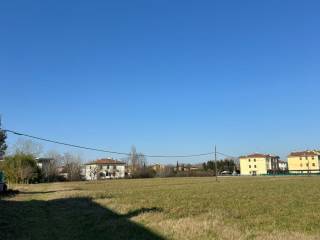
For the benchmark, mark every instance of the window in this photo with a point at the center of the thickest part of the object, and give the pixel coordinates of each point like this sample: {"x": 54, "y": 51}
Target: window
{"x": 312, "y": 158}
{"x": 254, "y": 160}
{"x": 255, "y": 166}
{"x": 250, "y": 172}
{"x": 313, "y": 164}
{"x": 107, "y": 166}
{"x": 307, "y": 165}
{"x": 306, "y": 158}
{"x": 249, "y": 160}
{"x": 300, "y": 158}
{"x": 300, "y": 164}
{"x": 249, "y": 166}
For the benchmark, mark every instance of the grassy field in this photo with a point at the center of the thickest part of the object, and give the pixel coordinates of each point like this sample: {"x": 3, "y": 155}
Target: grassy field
{"x": 174, "y": 208}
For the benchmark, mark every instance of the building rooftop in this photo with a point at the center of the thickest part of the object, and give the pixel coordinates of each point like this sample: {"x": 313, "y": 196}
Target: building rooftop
{"x": 305, "y": 154}
{"x": 107, "y": 161}
{"x": 258, "y": 155}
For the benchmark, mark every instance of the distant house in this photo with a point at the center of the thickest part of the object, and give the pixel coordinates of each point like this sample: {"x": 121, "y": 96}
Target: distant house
{"x": 104, "y": 169}
{"x": 187, "y": 168}
{"x": 304, "y": 162}
{"x": 158, "y": 168}
{"x": 44, "y": 163}
{"x": 257, "y": 164}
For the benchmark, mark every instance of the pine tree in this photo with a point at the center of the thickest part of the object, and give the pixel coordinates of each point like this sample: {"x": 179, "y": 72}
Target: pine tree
{"x": 3, "y": 145}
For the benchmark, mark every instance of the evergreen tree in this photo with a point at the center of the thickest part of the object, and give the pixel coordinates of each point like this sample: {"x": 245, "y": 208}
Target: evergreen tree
{"x": 3, "y": 145}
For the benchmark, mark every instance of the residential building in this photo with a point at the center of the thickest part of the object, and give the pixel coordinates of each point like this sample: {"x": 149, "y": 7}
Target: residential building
{"x": 304, "y": 162}
{"x": 257, "y": 164}
{"x": 187, "y": 167}
{"x": 44, "y": 163}
{"x": 105, "y": 169}
{"x": 158, "y": 168}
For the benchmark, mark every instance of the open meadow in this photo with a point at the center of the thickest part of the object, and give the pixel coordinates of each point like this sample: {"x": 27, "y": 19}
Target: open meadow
{"x": 168, "y": 208}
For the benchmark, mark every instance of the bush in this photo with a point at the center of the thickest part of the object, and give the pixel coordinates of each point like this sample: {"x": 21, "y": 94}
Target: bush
{"x": 21, "y": 168}
{"x": 144, "y": 173}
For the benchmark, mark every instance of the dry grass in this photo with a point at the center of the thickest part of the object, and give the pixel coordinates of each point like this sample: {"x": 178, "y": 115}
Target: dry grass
{"x": 175, "y": 208}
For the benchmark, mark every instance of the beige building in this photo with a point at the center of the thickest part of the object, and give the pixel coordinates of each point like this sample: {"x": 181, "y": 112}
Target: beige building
{"x": 304, "y": 162}
{"x": 158, "y": 168}
{"x": 257, "y": 164}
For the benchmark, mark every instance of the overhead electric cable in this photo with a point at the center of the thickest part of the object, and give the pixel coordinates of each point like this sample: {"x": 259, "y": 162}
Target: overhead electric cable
{"x": 103, "y": 150}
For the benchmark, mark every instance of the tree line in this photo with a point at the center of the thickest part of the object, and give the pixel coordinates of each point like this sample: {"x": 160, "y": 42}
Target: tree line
{"x": 228, "y": 165}
{"x": 20, "y": 164}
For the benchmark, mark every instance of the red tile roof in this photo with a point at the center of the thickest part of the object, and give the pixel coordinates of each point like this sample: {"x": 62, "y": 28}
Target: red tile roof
{"x": 258, "y": 155}
{"x": 304, "y": 154}
{"x": 107, "y": 161}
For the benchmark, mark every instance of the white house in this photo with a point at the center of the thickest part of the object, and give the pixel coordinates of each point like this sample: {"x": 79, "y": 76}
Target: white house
{"x": 104, "y": 169}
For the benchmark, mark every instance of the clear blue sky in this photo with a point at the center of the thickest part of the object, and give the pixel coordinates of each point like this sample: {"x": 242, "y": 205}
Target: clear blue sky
{"x": 172, "y": 77}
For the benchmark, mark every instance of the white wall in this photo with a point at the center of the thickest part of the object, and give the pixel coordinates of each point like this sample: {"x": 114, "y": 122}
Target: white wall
{"x": 114, "y": 171}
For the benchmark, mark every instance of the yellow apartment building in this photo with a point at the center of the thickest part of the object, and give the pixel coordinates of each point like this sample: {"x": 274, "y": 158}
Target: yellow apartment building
{"x": 257, "y": 164}
{"x": 304, "y": 162}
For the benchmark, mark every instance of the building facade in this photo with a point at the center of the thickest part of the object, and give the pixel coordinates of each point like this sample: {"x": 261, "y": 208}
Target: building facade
{"x": 257, "y": 164}
{"x": 104, "y": 169}
{"x": 304, "y": 162}
{"x": 158, "y": 168}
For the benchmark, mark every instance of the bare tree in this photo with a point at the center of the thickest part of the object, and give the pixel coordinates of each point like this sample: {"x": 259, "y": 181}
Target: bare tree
{"x": 94, "y": 170}
{"x": 27, "y": 147}
{"x": 50, "y": 169}
{"x": 72, "y": 166}
{"x": 133, "y": 158}
{"x": 136, "y": 160}
{"x": 53, "y": 154}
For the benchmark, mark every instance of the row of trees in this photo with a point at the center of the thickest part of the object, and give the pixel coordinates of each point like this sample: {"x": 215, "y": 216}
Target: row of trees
{"x": 20, "y": 164}
{"x": 137, "y": 165}
{"x": 22, "y": 167}
{"x": 222, "y": 165}
{"x": 65, "y": 166}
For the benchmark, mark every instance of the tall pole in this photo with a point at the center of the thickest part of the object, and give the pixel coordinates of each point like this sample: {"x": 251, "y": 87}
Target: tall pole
{"x": 215, "y": 162}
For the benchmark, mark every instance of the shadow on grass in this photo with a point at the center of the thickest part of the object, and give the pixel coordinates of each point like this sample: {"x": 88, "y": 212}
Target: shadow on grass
{"x": 47, "y": 192}
{"x": 70, "y": 218}
{"x": 9, "y": 193}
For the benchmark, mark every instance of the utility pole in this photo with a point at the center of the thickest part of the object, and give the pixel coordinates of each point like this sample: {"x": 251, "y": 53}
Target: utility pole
{"x": 308, "y": 167}
{"x": 215, "y": 162}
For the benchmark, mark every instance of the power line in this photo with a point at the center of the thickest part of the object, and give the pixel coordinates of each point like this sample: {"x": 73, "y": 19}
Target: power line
{"x": 103, "y": 150}
{"x": 63, "y": 143}
{"x": 226, "y": 155}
